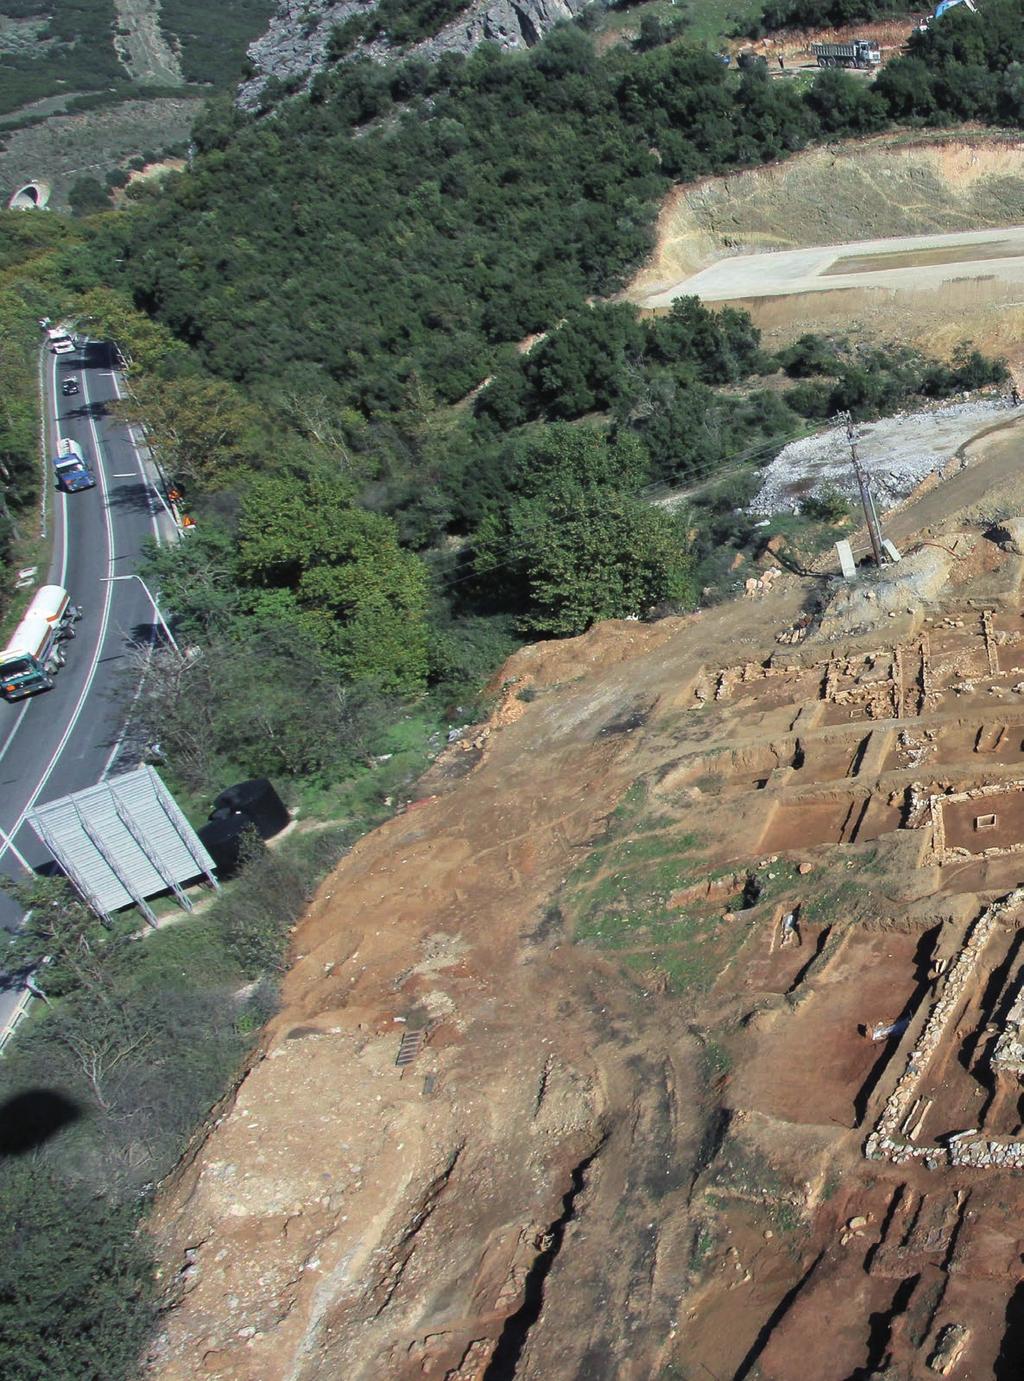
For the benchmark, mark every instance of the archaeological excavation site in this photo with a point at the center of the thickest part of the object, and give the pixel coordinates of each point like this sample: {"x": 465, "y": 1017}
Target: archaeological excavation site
{"x": 678, "y": 1022}
{"x": 672, "y": 1028}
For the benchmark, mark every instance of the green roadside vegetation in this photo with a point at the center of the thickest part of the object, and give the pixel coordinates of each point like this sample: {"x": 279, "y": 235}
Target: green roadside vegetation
{"x": 389, "y": 495}
{"x": 27, "y": 246}
{"x": 139, "y": 1036}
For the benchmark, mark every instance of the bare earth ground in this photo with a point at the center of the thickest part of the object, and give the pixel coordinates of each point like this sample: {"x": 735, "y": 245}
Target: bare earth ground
{"x": 631, "y": 1142}
{"x": 896, "y": 264}
{"x": 874, "y": 189}
{"x": 141, "y": 46}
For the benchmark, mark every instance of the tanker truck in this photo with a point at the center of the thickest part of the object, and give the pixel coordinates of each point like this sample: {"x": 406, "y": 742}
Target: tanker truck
{"x": 34, "y": 654}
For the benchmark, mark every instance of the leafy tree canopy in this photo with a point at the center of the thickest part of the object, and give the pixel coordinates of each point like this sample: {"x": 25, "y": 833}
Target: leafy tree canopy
{"x": 75, "y": 1281}
{"x": 361, "y": 598}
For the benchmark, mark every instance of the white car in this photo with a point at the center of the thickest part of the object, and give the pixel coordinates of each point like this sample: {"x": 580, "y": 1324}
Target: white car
{"x": 63, "y": 345}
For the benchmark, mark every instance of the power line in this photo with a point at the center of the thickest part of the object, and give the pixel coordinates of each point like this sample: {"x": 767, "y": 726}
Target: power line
{"x": 864, "y": 486}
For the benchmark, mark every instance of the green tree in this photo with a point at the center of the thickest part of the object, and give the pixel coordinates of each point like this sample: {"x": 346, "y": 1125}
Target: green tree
{"x": 340, "y": 573}
{"x": 570, "y": 544}
{"x": 581, "y": 556}
{"x": 86, "y": 196}
{"x": 61, "y": 940}
{"x": 201, "y": 429}
{"x": 199, "y": 580}
{"x": 75, "y": 1281}
{"x": 144, "y": 344}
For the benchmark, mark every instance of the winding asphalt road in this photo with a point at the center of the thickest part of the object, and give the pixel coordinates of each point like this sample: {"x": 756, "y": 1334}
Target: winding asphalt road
{"x": 71, "y": 737}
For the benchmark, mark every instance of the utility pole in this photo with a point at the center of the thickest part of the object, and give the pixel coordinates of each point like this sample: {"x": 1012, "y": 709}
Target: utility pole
{"x": 863, "y": 484}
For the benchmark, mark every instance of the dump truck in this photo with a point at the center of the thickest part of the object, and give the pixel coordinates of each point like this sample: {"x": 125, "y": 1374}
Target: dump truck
{"x": 862, "y": 52}
{"x": 34, "y": 654}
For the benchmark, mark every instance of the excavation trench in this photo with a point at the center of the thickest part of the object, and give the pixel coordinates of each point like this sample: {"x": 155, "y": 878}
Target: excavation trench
{"x": 505, "y": 1358}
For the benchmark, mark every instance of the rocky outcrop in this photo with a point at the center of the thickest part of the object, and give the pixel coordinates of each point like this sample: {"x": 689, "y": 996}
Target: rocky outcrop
{"x": 295, "y": 45}
{"x": 509, "y": 23}
{"x": 294, "y": 48}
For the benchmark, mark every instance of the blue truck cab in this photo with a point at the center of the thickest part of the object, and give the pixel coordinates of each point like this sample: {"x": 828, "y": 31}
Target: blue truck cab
{"x": 71, "y": 468}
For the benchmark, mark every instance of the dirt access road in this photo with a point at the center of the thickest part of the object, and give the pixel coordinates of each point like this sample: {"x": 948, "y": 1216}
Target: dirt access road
{"x": 905, "y": 262}
{"x": 141, "y": 45}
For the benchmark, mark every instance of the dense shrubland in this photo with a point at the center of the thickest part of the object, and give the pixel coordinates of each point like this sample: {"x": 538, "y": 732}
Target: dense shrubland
{"x": 366, "y": 262}
{"x": 806, "y": 14}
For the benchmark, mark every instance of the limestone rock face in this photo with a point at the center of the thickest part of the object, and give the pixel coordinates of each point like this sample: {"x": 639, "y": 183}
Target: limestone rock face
{"x": 509, "y": 23}
{"x": 294, "y": 47}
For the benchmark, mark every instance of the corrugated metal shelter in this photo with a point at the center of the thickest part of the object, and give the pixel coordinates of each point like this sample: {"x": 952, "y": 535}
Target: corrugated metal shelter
{"x": 122, "y": 841}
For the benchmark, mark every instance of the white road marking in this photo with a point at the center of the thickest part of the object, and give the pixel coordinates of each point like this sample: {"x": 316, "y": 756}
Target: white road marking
{"x": 9, "y": 844}
{"x": 17, "y": 725}
{"x": 63, "y": 498}
{"x": 137, "y": 448}
{"x": 91, "y": 676}
{"x": 8, "y": 839}
{"x": 124, "y": 474}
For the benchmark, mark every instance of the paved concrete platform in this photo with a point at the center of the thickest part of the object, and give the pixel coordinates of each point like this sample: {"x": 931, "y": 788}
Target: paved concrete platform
{"x": 859, "y": 264}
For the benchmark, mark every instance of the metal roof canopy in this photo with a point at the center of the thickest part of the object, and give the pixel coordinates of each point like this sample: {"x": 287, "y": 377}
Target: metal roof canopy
{"x": 122, "y": 841}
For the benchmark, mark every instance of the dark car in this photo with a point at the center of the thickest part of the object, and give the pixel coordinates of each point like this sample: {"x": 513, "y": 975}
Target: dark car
{"x": 69, "y": 387}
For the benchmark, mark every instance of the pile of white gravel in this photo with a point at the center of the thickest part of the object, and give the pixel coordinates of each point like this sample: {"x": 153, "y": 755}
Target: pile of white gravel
{"x": 897, "y": 452}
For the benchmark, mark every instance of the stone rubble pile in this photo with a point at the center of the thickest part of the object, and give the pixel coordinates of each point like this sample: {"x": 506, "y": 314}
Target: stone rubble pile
{"x": 898, "y": 453}
{"x": 1008, "y": 1055}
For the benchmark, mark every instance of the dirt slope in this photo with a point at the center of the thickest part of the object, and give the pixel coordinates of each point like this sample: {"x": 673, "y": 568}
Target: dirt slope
{"x": 346, "y": 1219}
{"x": 647, "y": 923}
{"x": 141, "y": 45}
{"x": 871, "y": 189}
{"x": 865, "y": 190}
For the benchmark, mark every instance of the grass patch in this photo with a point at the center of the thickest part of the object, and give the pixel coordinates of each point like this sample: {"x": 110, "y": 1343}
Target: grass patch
{"x": 715, "y": 1061}
{"x": 743, "y": 1171}
{"x": 701, "y": 1247}
{"x": 710, "y": 21}
{"x": 707, "y": 23}
{"x": 171, "y": 957}
{"x": 842, "y": 897}
{"x": 617, "y": 899}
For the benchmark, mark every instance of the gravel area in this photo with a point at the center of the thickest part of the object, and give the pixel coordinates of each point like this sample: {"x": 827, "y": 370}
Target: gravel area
{"x": 897, "y": 452}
